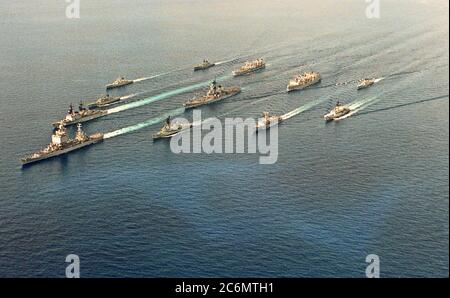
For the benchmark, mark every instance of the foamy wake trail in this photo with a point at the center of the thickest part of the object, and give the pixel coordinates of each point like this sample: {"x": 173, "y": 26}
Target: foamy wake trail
{"x": 148, "y": 100}
{"x": 153, "y": 77}
{"x": 226, "y": 61}
{"x": 128, "y": 96}
{"x": 379, "y": 79}
{"x": 301, "y": 109}
{"x": 360, "y": 105}
{"x": 141, "y": 125}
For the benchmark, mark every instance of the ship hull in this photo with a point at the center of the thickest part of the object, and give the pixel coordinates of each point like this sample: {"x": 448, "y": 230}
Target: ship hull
{"x": 301, "y": 87}
{"x": 94, "y": 105}
{"x": 364, "y": 86}
{"x": 80, "y": 120}
{"x": 201, "y": 67}
{"x": 112, "y": 86}
{"x": 238, "y": 73}
{"x": 329, "y": 118}
{"x": 62, "y": 151}
{"x": 189, "y": 105}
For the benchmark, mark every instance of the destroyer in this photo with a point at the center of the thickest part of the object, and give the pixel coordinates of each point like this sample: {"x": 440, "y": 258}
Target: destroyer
{"x": 338, "y": 111}
{"x": 119, "y": 83}
{"x": 204, "y": 65}
{"x": 170, "y": 129}
{"x": 267, "y": 121}
{"x": 250, "y": 67}
{"x": 214, "y": 94}
{"x": 303, "y": 80}
{"x": 82, "y": 115}
{"x": 365, "y": 83}
{"x": 61, "y": 144}
{"x": 103, "y": 101}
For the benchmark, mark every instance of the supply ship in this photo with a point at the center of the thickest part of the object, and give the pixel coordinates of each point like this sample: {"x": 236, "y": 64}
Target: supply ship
{"x": 61, "y": 144}
{"x": 302, "y": 81}
{"x": 250, "y": 67}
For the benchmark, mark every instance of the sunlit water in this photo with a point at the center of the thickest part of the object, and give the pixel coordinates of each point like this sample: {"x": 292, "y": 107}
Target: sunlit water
{"x": 375, "y": 182}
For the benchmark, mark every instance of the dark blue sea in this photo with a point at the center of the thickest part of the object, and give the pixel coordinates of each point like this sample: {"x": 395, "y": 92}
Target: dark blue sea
{"x": 374, "y": 183}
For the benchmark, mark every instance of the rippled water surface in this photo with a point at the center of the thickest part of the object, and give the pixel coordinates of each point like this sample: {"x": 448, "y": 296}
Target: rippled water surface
{"x": 374, "y": 183}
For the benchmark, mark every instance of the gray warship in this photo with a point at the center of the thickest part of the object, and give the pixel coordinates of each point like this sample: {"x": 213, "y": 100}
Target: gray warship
{"x": 119, "y": 83}
{"x": 214, "y": 94}
{"x": 103, "y": 101}
{"x": 61, "y": 144}
{"x": 304, "y": 80}
{"x": 170, "y": 129}
{"x": 250, "y": 67}
{"x": 338, "y": 111}
{"x": 365, "y": 83}
{"x": 82, "y": 115}
{"x": 267, "y": 121}
{"x": 204, "y": 65}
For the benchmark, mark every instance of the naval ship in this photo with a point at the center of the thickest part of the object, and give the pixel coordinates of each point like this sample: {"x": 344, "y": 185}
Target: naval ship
{"x": 365, "y": 83}
{"x": 302, "y": 81}
{"x": 267, "y": 121}
{"x": 82, "y": 115}
{"x": 119, "y": 83}
{"x": 204, "y": 65}
{"x": 214, "y": 94}
{"x": 61, "y": 144}
{"x": 103, "y": 101}
{"x": 250, "y": 67}
{"x": 169, "y": 129}
{"x": 337, "y": 112}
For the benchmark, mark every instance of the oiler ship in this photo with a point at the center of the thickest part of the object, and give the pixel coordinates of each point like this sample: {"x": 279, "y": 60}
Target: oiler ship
{"x": 214, "y": 94}
{"x": 304, "y": 80}
{"x": 61, "y": 144}
{"x": 119, "y": 83}
{"x": 103, "y": 101}
{"x": 267, "y": 121}
{"x": 204, "y": 65}
{"x": 170, "y": 129}
{"x": 250, "y": 67}
{"x": 82, "y": 115}
{"x": 337, "y": 112}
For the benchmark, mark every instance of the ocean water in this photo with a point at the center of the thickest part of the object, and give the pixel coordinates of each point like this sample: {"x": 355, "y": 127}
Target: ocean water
{"x": 374, "y": 183}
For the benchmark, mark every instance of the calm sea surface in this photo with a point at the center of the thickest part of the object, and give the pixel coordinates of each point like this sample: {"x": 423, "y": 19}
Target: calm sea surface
{"x": 375, "y": 183}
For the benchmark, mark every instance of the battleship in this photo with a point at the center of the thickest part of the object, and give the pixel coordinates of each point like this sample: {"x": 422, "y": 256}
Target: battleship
{"x": 214, "y": 94}
{"x": 103, "y": 101}
{"x": 170, "y": 129}
{"x": 303, "y": 80}
{"x": 119, "y": 83}
{"x": 365, "y": 83}
{"x": 267, "y": 121}
{"x": 250, "y": 67}
{"x": 82, "y": 115}
{"x": 338, "y": 111}
{"x": 61, "y": 144}
{"x": 204, "y": 65}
